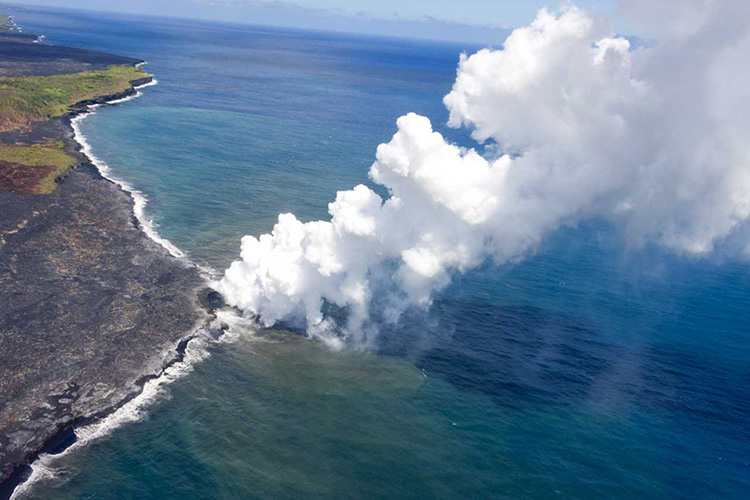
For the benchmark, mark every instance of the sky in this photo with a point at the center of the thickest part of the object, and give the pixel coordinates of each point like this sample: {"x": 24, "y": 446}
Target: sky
{"x": 480, "y": 21}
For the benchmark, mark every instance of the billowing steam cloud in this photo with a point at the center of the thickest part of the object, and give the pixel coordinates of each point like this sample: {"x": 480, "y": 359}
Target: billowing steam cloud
{"x": 655, "y": 139}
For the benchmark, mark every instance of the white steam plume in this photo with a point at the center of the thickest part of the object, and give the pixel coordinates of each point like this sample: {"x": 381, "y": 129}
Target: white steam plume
{"x": 656, "y": 140}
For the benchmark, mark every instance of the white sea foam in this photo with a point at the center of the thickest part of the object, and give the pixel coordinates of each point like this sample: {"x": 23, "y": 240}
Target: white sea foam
{"x": 139, "y": 199}
{"x": 44, "y": 468}
{"x": 47, "y": 467}
{"x": 196, "y": 351}
{"x": 237, "y": 326}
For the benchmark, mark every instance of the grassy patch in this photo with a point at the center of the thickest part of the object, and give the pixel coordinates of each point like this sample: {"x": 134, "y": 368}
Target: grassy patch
{"x": 34, "y": 167}
{"x": 31, "y": 98}
{"x": 4, "y": 22}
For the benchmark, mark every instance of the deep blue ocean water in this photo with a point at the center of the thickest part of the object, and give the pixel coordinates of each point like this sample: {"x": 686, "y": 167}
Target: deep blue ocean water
{"x": 588, "y": 371}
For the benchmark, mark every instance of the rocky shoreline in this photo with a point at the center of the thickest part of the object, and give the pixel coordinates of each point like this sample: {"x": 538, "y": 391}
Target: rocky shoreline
{"x": 93, "y": 308}
{"x": 65, "y": 436}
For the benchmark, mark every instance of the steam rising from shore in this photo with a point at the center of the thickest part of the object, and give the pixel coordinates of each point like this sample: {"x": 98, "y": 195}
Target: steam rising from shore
{"x": 582, "y": 125}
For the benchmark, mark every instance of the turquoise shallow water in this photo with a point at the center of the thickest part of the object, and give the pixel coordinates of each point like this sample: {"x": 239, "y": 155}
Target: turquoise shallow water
{"x": 587, "y": 371}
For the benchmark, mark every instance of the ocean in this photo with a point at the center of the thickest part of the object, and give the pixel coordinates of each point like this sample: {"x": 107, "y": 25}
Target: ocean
{"x": 588, "y": 371}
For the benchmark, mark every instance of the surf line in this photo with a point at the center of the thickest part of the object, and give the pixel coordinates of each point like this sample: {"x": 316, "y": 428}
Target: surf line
{"x": 139, "y": 198}
{"x": 192, "y": 350}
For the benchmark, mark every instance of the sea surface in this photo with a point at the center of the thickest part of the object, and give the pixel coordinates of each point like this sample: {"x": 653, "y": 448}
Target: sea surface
{"x": 588, "y": 371}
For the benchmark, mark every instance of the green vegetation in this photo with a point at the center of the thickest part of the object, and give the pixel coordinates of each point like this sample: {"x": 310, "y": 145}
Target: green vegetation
{"x": 49, "y": 155}
{"x": 4, "y": 22}
{"x": 31, "y": 98}
{"x": 23, "y": 100}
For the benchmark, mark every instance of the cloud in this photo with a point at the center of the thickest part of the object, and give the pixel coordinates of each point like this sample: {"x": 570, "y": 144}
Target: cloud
{"x": 654, "y": 140}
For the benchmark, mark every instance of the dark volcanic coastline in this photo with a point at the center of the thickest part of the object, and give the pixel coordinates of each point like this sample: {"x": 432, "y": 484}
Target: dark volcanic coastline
{"x": 92, "y": 307}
